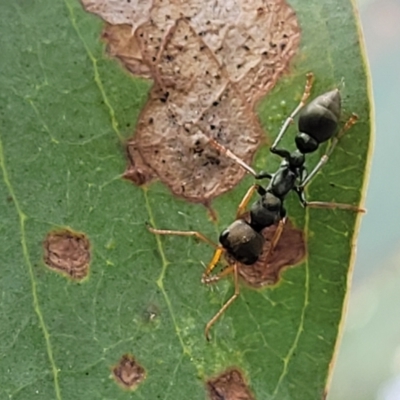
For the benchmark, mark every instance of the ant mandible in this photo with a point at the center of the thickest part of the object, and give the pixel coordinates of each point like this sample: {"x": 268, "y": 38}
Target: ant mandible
{"x": 242, "y": 240}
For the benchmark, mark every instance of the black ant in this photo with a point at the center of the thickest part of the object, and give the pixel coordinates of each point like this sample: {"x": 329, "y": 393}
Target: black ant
{"x": 242, "y": 240}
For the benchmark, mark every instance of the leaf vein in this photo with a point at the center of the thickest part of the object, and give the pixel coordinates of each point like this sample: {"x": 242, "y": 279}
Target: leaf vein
{"x": 99, "y": 83}
{"x": 22, "y": 218}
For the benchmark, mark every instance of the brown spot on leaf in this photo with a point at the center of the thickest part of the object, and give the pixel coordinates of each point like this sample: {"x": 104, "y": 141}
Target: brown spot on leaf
{"x": 289, "y": 251}
{"x": 229, "y": 385}
{"x": 67, "y": 252}
{"x": 128, "y": 372}
{"x": 210, "y": 64}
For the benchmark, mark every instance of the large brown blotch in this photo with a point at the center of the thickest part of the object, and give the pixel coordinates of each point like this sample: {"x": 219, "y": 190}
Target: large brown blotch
{"x": 198, "y": 51}
{"x": 289, "y": 251}
{"x": 230, "y": 385}
{"x": 67, "y": 252}
{"x": 128, "y": 372}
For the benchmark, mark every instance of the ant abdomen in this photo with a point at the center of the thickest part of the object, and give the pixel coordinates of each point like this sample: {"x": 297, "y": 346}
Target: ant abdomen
{"x": 242, "y": 242}
{"x": 318, "y": 120}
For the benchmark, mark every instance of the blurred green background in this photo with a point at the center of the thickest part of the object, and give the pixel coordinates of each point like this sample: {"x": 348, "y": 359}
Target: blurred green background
{"x": 368, "y": 363}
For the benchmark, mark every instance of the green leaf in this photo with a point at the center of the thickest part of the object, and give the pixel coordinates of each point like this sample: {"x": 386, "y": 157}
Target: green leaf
{"x": 65, "y": 108}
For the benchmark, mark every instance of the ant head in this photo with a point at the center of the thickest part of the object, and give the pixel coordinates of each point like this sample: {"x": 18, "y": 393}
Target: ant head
{"x": 305, "y": 143}
{"x": 296, "y": 159}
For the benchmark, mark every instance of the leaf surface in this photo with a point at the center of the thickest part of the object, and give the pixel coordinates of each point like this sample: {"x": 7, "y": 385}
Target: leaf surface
{"x": 65, "y": 109}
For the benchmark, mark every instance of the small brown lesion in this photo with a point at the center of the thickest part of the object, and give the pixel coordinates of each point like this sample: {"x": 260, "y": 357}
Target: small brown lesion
{"x": 229, "y": 385}
{"x": 67, "y": 252}
{"x": 128, "y": 373}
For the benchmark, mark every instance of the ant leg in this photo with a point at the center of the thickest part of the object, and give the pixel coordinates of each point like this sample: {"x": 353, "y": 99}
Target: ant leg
{"x": 227, "y": 153}
{"x": 215, "y": 278}
{"x": 243, "y": 204}
{"x": 322, "y": 204}
{"x": 211, "y": 265}
{"x": 289, "y": 120}
{"x": 276, "y": 237}
{"x": 183, "y": 233}
{"x": 332, "y": 205}
{"x": 226, "y": 305}
{"x": 217, "y": 255}
{"x": 324, "y": 159}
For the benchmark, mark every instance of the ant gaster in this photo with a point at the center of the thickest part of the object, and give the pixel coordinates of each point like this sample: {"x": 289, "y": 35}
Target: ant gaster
{"x": 242, "y": 240}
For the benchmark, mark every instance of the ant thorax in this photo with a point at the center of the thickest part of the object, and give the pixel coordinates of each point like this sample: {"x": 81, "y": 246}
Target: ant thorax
{"x": 296, "y": 160}
{"x": 283, "y": 181}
